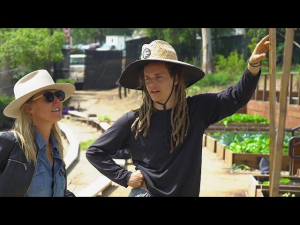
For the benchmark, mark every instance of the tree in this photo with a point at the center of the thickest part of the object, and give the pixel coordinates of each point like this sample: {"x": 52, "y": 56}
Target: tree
{"x": 30, "y": 48}
{"x": 89, "y": 35}
{"x": 207, "y": 59}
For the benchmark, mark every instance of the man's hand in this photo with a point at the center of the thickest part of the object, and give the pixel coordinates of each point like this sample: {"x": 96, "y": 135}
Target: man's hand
{"x": 136, "y": 179}
{"x": 258, "y": 54}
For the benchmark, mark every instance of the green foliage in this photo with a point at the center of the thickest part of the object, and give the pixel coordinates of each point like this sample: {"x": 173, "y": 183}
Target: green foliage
{"x": 104, "y": 117}
{"x": 229, "y": 71}
{"x": 5, "y": 122}
{"x": 243, "y": 118}
{"x": 234, "y": 64}
{"x": 258, "y": 143}
{"x": 30, "y": 49}
{"x": 253, "y": 43}
{"x": 239, "y": 167}
{"x": 84, "y": 145}
{"x": 288, "y": 194}
{"x": 174, "y": 36}
{"x": 93, "y": 35}
{"x": 65, "y": 80}
{"x": 282, "y": 180}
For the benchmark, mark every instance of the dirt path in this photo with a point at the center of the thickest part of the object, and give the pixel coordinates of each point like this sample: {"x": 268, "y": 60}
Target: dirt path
{"x": 106, "y": 102}
{"x": 217, "y": 178}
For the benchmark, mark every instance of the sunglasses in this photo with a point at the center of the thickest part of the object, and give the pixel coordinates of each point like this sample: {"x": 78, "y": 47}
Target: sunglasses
{"x": 50, "y": 96}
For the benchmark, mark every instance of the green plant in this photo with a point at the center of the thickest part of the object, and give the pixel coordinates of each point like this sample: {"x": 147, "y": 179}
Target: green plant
{"x": 288, "y": 194}
{"x": 234, "y": 64}
{"x": 249, "y": 142}
{"x": 5, "y": 122}
{"x": 239, "y": 167}
{"x": 104, "y": 117}
{"x": 65, "y": 80}
{"x": 242, "y": 118}
{"x": 282, "y": 181}
{"x": 84, "y": 145}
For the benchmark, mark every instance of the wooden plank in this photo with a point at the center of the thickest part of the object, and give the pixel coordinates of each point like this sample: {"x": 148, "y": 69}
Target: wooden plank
{"x": 277, "y": 158}
{"x": 295, "y": 163}
{"x": 220, "y": 150}
{"x": 95, "y": 188}
{"x": 211, "y": 143}
{"x": 298, "y": 91}
{"x": 104, "y": 126}
{"x": 73, "y": 150}
{"x": 291, "y": 89}
{"x": 272, "y": 98}
{"x": 255, "y": 184}
{"x": 265, "y": 87}
{"x": 204, "y": 140}
{"x": 252, "y": 160}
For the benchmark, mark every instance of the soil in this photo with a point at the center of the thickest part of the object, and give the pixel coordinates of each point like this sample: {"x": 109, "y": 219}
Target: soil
{"x": 106, "y": 102}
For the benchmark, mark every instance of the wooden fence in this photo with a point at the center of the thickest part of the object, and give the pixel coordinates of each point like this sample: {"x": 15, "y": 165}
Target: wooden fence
{"x": 262, "y": 90}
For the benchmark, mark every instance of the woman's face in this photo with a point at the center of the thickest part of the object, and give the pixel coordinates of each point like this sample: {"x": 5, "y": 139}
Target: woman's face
{"x": 159, "y": 83}
{"x": 43, "y": 111}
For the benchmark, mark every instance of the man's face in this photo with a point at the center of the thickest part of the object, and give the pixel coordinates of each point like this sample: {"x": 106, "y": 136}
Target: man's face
{"x": 158, "y": 82}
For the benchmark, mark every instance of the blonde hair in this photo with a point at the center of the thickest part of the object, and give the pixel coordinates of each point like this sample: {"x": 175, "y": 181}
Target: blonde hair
{"x": 179, "y": 115}
{"x": 24, "y": 133}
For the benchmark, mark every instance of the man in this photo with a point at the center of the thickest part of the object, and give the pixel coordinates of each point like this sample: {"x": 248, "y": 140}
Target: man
{"x": 164, "y": 136}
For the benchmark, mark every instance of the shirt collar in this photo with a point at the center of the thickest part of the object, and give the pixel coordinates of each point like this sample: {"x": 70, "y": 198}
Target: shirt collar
{"x": 41, "y": 142}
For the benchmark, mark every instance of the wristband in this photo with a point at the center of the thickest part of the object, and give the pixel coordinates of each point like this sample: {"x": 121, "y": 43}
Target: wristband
{"x": 255, "y": 63}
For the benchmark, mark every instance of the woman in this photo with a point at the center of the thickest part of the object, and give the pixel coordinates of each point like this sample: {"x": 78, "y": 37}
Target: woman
{"x": 31, "y": 154}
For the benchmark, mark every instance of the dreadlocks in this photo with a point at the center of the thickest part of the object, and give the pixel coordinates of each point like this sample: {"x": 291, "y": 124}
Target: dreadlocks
{"x": 179, "y": 115}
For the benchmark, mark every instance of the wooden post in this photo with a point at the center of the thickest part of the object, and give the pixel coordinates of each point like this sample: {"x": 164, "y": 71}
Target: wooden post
{"x": 277, "y": 157}
{"x": 264, "y": 98}
{"x": 291, "y": 89}
{"x": 272, "y": 97}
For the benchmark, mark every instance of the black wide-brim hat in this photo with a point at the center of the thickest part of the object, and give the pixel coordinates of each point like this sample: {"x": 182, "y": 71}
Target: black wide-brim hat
{"x": 157, "y": 50}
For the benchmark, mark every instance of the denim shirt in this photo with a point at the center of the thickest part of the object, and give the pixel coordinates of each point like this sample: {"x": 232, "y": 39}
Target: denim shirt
{"x": 43, "y": 179}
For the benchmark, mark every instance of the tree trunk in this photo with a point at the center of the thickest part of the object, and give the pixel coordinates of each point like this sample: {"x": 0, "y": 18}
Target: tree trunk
{"x": 207, "y": 60}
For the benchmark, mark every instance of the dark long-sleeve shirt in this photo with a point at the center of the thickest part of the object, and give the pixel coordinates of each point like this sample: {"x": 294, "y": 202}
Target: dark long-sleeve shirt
{"x": 166, "y": 174}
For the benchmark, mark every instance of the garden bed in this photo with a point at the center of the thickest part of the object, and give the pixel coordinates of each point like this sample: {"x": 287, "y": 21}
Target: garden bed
{"x": 232, "y": 127}
{"x": 211, "y": 143}
{"x": 252, "y": 160}
{"x": 292, "y": 193}
{"x": 256, "y": 185}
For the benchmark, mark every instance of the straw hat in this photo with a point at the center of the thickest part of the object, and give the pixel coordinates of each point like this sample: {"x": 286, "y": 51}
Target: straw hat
{"x": 162, "y": 51}
{"x": 31, "y": 84}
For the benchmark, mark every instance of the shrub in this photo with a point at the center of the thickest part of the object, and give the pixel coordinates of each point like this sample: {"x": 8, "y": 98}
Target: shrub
{"x": 5, "y": 122}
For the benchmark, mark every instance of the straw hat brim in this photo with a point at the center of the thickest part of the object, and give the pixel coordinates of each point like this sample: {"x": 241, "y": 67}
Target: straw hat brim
{"x": 14, "y": 108}
{"x": 129, "y": 77}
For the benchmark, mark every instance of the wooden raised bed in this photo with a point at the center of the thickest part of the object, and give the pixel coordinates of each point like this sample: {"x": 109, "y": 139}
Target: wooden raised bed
{"x": 252, "y": 160}
{"x": 250, "y": 127}
{"x": 211, "y": 143}
{"x": 249, "y": 159}
{"x": 256, "y": 186}
{"x": 266, "y": 193}
{"x": 204, "y": 140}
{"x": 220, "y": 150}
